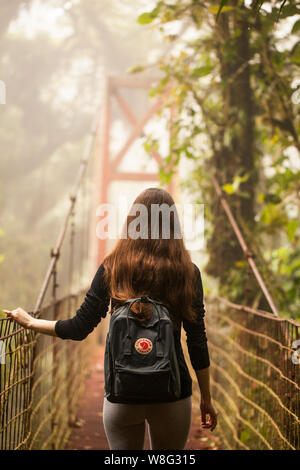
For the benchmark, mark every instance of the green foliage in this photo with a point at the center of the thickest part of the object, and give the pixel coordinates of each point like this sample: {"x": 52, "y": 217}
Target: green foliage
{"x": 245, "y": 436}
{"x": 283, "y": 11}
{"x": 201, "y": 74}
{"x": 146, "y": 18}
{"x": 222, "y": 8}
{"x": 296, "y": 27}
{"x": 234, "y": 187}
{"x": 136, "y": 69}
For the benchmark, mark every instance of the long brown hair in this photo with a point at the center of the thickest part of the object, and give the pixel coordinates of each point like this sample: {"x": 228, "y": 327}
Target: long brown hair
{"x": 160, "y": 268}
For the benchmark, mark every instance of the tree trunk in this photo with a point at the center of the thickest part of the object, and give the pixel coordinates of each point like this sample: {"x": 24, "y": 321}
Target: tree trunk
{"x": 237, "y": 156}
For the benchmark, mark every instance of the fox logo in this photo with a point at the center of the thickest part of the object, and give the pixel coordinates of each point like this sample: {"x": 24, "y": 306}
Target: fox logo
{"x": 143, "y": 345}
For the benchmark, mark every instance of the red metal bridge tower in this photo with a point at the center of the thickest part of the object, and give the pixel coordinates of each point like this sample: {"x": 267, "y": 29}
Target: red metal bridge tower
{"x": 106, "y": 166}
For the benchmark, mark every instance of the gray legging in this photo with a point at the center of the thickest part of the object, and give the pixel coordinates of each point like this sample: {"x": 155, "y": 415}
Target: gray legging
{"x": 169, "y": 424}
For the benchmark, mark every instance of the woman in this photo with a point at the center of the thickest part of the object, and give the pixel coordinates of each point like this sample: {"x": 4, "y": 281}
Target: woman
{"x": 159, "y": 267}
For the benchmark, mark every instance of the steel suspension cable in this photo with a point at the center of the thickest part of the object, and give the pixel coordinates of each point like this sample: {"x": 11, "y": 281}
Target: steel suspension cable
{"x": 56, "y": 251}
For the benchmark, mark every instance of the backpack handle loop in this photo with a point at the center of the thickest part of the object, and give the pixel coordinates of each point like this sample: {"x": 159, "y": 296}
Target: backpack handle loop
{"x": 143, "y": 299}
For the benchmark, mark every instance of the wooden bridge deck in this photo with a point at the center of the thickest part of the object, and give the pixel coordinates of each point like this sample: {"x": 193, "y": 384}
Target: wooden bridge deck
{"x": 89, "y": 433}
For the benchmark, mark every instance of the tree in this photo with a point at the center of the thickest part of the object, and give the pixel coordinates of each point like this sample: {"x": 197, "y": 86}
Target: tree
{"x": 234, "y": 84}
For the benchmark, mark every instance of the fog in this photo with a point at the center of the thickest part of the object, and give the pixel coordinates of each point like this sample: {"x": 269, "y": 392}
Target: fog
{"x": 54, "y": 58}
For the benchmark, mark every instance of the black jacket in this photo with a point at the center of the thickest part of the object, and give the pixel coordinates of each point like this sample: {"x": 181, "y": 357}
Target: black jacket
{"x": 95, "y": 307}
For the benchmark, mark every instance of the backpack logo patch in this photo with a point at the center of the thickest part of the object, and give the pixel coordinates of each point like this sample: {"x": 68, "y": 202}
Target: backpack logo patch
{"x": 143, "y": 345}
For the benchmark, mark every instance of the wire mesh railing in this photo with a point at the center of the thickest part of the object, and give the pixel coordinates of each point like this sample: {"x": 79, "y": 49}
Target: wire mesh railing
{"x": 41, "y": 377}
{"x": 41, "y": 381}
{"x": 255, "y": 380}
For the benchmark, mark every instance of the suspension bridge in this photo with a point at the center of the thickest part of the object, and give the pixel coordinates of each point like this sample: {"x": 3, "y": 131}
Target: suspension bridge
{"x": 44, "y": 380}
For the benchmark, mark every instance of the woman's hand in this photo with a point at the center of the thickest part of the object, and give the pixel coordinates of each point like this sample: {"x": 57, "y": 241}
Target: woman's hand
{"x": 23, "y": 318}
{"x": 207, "y": 409}
{"x": 19, "y": 316}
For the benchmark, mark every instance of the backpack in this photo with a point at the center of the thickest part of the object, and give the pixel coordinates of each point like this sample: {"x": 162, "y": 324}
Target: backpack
{"x": 140, "y": 361}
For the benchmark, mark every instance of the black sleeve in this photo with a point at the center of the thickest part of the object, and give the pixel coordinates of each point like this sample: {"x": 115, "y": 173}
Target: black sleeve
{"x": 195, "y": 331}
{"x": 89, "y": 314}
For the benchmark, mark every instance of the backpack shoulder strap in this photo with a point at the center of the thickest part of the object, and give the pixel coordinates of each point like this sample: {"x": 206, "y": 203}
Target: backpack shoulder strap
{"x": 109, "y": 306}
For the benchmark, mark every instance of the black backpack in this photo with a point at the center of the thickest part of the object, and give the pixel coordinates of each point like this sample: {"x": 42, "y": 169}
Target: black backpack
{"x": 140, "y": 358}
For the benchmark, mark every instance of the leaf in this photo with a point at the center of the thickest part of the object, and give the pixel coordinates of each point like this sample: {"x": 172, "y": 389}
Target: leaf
{"x": 282, "y": 253}
{"x": 296, "y": 55}
{"x": 281, "y": 7}
{"x": 242, "y": 179}
{"x": 237, "y": 32}
{"x": 136, "y": 69}
{"x": 261, "y": 198}
{"x": 2, "y": 314}
{"x": 272, "y": 198}
{"x": 218, "y": 9}
{"x": 234, "y": 187}
{"x": 287, "y": 10}
{"x": 258, "y": 4}
{"x": 147, "y": 17}
{"x": 228, "y": 188}
{"x": 202, "y": 71}
{"x": 245, "y": 436}
{"x": 241, "y": 264}
{"x": 291, "y": 229}
{"x": 244, "y": 194}
{"x": 296, "y": 27}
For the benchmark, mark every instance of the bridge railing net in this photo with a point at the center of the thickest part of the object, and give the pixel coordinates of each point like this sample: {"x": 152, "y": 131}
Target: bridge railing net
{"x": 255, "y": 382}
{"x": 41, "y": 381}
